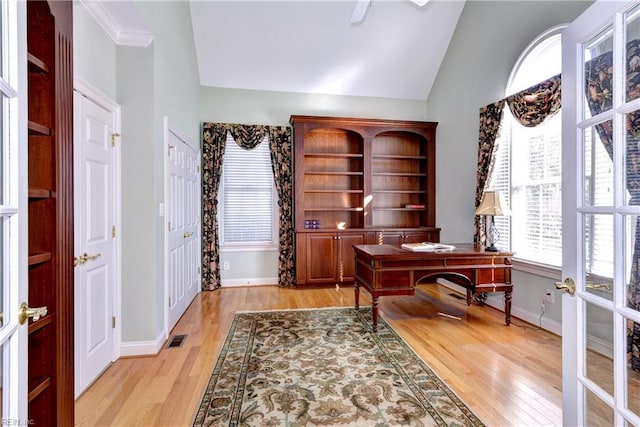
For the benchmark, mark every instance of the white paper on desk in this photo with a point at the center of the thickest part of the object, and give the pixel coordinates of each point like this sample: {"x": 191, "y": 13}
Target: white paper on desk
{"x": 428, "y": 247}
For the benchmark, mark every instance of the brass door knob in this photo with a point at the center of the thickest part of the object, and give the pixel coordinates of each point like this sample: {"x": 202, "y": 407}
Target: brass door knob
{"x": 84, "y": 258}
{"x": 569, "y": 286}
{"x": 26, "y": 312}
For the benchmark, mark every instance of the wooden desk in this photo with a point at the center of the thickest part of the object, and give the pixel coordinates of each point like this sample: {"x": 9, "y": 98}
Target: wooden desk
{"x": 385, "y": 270}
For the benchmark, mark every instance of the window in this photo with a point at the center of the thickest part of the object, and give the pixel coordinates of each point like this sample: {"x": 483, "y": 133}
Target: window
{"x": 527, "y": 172}
{"x": 247, "y": 197}
{"x": 527, "y": 164}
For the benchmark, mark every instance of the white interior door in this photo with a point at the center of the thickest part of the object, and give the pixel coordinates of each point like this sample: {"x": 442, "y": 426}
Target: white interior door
{"x": 192, "y": 239}
{"x": 13, "y": 213}
{"x": 175, "y": 202}
{"x": 600, "y": 215}
{"x": 95, "y": 240}
{"x": 182, "y": 206}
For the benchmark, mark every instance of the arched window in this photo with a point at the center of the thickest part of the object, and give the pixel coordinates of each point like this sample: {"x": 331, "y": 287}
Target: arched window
{"x": 527, "y": 164}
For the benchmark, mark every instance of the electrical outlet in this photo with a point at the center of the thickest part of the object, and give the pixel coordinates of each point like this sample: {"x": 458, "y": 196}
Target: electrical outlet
{"x": 549, "y": 296}
{"x": 225, "y": 265}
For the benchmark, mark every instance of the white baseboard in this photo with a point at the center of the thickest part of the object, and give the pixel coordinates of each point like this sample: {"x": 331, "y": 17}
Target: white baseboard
{"x": 262, "y": 281}
{"x": 143, "y": 348}
{"x": 496, "y": 301}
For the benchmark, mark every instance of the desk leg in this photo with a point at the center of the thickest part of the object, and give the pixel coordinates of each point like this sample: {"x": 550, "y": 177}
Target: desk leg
{"x": 356, "y": 290}
{"x": 375, "y": 314}
{"x": 507, "y": 307}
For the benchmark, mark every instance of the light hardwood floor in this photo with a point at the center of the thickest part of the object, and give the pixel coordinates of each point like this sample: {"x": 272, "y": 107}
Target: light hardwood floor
{"x": 508, "y": 376}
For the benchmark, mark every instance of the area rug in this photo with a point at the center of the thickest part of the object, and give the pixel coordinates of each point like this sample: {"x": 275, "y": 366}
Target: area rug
{"x": 323, "y": 367}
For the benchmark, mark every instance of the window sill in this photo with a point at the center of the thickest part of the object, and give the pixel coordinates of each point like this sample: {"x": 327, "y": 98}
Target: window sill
{"x": 248, "y": 248}
{"x": 537, "y": 269}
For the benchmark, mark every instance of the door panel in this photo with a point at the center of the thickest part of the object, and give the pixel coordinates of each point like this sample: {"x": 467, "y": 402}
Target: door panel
{"x": 347, "y": 265}
{"x": 183, "y": 225}
{"x": 601, "y": 243}
{"x": 322, "y": 256}
{"x": 176, "y": 229}
{"x": 94, "y": 240}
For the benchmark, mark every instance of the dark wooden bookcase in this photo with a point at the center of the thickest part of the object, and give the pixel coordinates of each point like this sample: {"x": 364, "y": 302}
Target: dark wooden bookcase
{"x": 359, "y": 181}
{"x": 50, "y": 211}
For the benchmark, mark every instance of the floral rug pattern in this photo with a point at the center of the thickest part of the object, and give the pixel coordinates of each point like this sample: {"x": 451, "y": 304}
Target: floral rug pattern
{"x": 323, "y": 367}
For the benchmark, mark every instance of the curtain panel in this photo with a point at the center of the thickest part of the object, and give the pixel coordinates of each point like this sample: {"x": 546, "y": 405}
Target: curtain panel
{"x": 598, "y": 91}
{"x": 530, "y": 107}
{"x": 490, "y": 123}
{"x": 280, "y": 145}
{"x": 214, "y": 137}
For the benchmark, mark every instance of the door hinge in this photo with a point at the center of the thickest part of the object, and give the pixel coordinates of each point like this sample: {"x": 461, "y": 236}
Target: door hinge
{"x": 169, "y": 148}
{"x": 169, "y": 301}
{"x": 113, "y": 322}
{"x": 113, "y": 231}
{"x": 198, "y": 168}
{"x": 169, "y": 226}
{"x": 113, "y": 138}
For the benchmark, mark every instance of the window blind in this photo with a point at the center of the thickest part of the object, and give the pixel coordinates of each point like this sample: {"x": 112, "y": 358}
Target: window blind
{"x": 247, "y": 195}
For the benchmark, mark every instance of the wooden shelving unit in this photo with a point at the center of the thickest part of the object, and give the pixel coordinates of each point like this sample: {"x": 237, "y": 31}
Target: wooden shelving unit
{"x": 359, "y": 181}
{"x": 50, "y": 211}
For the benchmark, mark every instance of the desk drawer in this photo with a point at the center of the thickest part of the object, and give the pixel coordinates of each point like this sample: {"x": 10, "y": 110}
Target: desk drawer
{"x": 495, "y": 275}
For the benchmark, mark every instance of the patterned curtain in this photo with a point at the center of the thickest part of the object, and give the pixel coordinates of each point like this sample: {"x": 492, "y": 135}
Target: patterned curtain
{"x": 281, "y": 157}
{"x": 598, "y": 89}
{"x": 532, "y": 106}
{"x": 490, "y": 122}
{"x": 214, "y": 136}
{"x": 248, "y": 137}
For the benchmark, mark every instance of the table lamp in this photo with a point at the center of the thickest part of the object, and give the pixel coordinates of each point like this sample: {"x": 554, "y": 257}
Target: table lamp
{"x": 490, "y": 205}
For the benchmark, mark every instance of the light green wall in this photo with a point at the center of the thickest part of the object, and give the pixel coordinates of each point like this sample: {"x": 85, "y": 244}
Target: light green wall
{"x": 488, "y": 40}
{"x": 149, "y": 83}
{"x": 90, "y": 38}
{"x": 176, "y": 90}
{"x": 140, "y": 243}
{"x": 275, "y": 108}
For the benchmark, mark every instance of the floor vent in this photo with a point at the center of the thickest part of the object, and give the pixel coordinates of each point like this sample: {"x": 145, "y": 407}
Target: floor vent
{"x": 456, "y": 296}
{"x": 176, "y": 341}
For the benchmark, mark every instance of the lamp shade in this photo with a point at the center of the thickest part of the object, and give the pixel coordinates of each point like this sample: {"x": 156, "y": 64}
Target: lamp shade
{"x": 491, "y": 205}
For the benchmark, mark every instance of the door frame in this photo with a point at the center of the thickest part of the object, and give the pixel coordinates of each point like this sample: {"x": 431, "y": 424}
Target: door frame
{"x": 86, "y": 89}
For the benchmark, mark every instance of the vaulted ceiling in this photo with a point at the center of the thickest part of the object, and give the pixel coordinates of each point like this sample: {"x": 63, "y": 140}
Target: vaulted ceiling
{"x": 311, "y": 46}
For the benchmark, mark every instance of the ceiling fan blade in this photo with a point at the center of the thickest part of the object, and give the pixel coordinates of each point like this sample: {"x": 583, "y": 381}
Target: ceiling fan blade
{"x": 359, "y": 11}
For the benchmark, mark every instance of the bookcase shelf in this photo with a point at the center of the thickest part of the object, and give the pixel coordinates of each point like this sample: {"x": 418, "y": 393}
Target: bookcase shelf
{"x": 353, "y": 181}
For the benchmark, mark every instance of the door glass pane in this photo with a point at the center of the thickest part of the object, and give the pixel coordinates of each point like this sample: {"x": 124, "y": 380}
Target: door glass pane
{"x": 633, "y": 53}
{"x": 598, "y": 73}
{"x": 598, "y": 256}
{"x": 633, "y": 375}
{"x": 598, "y": 413}
{"x": 632, "y": 159}
{"x": 598, "y": 167}
{"x": 599, "y": 342}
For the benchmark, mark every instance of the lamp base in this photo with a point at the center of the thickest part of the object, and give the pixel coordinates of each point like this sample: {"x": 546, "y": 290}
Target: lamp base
{"x": 492, "y": 248}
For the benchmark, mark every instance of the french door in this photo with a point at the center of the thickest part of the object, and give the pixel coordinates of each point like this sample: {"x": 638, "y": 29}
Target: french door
{"x": 182, "y": 202}
{"x": 601, "y": 212}
{"x": 13, "y": 202}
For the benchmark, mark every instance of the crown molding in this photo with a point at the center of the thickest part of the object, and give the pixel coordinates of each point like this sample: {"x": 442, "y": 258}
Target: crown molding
{"x": 109, "y": 15}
